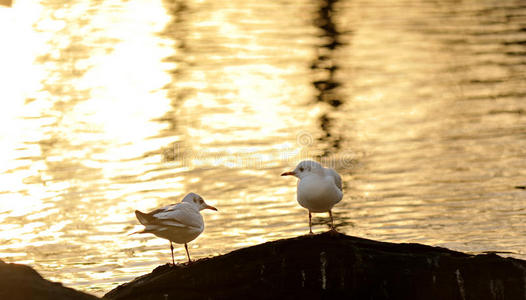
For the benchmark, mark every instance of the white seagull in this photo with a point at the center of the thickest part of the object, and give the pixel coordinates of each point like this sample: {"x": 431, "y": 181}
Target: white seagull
{"x": 319, "y": 188}
{"x": 179, "y": 223}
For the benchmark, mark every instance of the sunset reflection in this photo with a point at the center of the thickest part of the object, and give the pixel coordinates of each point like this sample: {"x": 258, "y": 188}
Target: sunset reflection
{"x": 116, "y": 106}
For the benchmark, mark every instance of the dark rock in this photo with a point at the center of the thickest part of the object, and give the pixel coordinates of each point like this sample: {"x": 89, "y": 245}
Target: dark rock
{"x": 334, "y": 266}
{"x": 22, "y": 282}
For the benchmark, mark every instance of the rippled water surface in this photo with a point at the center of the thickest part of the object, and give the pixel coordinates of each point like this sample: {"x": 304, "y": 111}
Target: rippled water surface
{"x": 112, "y": 106}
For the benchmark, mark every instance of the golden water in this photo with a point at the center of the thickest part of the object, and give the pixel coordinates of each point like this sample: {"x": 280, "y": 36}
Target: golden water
{"x": 112, "y": 106}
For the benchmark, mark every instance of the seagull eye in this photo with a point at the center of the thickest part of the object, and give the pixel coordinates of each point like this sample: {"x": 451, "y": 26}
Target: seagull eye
{"x": 301, "y": 169}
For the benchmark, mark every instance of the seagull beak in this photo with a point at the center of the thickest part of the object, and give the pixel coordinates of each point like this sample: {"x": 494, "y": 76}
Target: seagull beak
{"x": 288, "y": 173}
{"x": 210, "y": 207}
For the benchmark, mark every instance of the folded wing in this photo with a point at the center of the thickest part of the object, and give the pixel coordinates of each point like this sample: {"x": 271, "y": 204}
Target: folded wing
{"x": 336, "y": 177}
{"x": 176, "y": 215}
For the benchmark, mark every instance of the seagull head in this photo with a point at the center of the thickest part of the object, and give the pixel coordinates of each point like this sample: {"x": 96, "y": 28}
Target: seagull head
{"x": 304, "y": 168}
{"x": 197, "y": 201}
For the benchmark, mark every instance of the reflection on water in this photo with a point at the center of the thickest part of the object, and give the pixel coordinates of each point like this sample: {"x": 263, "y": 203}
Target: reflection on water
{"x": 117, "y": 106}
{"x": 324, "y": 68}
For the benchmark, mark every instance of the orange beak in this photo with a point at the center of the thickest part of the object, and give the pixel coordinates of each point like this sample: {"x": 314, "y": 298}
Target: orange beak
{"x": 210, "y": 207}
{"x": 288, "y": 173}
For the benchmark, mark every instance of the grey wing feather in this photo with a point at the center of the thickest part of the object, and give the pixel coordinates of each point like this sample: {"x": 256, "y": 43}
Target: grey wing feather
{"x": 180, "y": 215}
{"x": 177, "y": 215}
{"x": 336, "y": 177}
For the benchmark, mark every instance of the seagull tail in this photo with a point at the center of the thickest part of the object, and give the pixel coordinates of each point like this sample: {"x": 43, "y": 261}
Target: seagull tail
{"x": 142, "y": 217}
{"x": 136, "y": 232}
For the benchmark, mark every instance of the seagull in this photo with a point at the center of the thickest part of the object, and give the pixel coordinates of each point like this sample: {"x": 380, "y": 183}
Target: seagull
{"x": 179, "y": 223}
{"x": 319, "y": 188}
{"x": 521, "y": 187}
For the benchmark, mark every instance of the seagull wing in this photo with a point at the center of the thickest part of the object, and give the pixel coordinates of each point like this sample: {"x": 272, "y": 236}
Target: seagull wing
{"x": 336, "y": 177}
{"x": 176, "y": 215}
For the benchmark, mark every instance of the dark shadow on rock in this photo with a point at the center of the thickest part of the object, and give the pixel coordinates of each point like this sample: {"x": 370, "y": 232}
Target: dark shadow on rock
{"x": 22, "y": 282}
{"x": 334, "y": 266}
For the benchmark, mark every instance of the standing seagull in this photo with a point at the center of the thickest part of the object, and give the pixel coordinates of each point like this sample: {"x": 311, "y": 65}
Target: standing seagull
{"x": 179, "y": 223}
{"x": 319, "y": 188}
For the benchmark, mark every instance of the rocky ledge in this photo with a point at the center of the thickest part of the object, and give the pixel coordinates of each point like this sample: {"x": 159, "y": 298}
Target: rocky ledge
{"x": 334, "y": 266}
{"x": 20, "y": 282}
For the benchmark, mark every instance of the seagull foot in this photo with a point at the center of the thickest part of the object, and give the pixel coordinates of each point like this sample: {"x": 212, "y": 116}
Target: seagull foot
{"x": 334, "y": 232}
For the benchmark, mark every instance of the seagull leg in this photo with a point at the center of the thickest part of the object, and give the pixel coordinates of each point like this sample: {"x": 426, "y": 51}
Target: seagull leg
{"x": 172, "y": 249}
{"x": 310, "y": 223}
{"x": 333, "y": 229}
{"x": 188, "y": 254}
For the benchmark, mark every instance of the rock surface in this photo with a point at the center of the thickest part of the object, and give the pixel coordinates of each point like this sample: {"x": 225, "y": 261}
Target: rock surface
{"x": 22, "y": 282}
{"x": 334, "y": 266}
